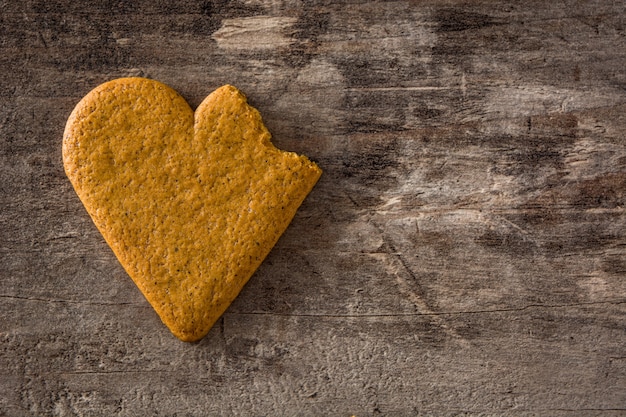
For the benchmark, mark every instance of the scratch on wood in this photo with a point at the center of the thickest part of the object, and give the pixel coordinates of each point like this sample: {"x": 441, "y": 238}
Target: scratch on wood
{"x": 414, "y": 291}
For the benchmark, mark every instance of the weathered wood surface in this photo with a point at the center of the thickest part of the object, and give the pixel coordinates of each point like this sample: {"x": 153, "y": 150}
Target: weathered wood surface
{"x": 463, "y": 254}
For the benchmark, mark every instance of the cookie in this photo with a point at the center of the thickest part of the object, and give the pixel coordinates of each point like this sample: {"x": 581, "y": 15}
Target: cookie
{"x": 190, "y": 203}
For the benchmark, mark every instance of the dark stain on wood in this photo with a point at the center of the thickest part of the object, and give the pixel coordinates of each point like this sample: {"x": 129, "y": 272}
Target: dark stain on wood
{"x": 607, "y": 191}
{"x": 456, "y": 20}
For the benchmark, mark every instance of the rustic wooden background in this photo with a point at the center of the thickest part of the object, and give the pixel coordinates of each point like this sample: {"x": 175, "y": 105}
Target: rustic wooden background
{"x": 463, "y": 254}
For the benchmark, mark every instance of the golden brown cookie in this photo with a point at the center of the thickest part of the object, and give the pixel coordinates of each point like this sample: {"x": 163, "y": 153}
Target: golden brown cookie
{"x": 190, "y": 203}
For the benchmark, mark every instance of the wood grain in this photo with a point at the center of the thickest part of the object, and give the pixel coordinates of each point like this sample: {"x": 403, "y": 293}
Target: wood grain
{"x": 463, "y": 254}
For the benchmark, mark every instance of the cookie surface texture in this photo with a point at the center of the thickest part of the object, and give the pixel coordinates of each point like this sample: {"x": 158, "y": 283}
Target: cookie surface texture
{"x": 190, "y": 203}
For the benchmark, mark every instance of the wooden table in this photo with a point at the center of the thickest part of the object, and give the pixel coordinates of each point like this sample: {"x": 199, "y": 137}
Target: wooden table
{"x": 463, "y": 254}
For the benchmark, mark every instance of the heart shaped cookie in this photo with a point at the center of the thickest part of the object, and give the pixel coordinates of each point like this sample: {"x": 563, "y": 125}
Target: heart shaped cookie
{"x": 190, "y": 203}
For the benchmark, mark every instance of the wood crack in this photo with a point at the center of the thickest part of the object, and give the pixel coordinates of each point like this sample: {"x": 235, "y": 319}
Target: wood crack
{"x": 49, "y": 300}
{"x": 429, "y": 313}
{"x": 112, "y": 372}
